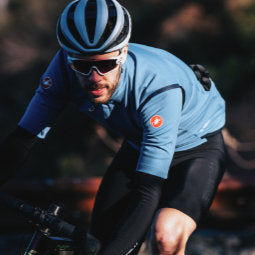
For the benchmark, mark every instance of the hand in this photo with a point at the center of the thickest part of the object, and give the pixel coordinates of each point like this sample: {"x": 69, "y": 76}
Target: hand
{"x": 92, "y": 245}
{"x": 202, "y": 75}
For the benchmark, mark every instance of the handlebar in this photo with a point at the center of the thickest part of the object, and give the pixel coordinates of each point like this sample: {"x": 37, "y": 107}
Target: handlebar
{"x": 48, "y": 221}
{"x": 46, "y": 218}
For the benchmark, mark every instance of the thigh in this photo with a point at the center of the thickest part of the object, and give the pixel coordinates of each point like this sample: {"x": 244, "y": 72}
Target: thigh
{"x": 194, "y": 178}
{"x": 114, "y": 193}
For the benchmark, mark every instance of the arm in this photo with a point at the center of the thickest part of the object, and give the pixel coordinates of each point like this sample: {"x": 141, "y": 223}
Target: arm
{"x": 40, "y": 114}
{"x": 13, "y": 151}
{"x": 138, "y": 216}
{"x": 155, "y": 157}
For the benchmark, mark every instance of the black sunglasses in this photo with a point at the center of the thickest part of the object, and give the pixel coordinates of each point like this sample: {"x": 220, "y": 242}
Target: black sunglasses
{"x": 85, "y": 67}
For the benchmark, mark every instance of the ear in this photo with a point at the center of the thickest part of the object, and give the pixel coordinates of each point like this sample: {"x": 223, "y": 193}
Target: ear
{"x": 125, "y": 52}
{"x": 126, "y": 48}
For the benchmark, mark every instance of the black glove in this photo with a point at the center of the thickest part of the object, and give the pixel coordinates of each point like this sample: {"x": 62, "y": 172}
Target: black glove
{"x": 92, "y": 245}
{"x": 14, "y": 149}
{"x": 202, "y": 75}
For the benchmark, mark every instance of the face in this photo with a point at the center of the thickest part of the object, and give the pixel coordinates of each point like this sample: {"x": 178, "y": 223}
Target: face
{"x": 98, "y": 87}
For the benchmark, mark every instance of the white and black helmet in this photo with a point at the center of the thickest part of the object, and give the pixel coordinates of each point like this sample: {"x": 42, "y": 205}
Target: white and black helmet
{"x": 93, "y": 26}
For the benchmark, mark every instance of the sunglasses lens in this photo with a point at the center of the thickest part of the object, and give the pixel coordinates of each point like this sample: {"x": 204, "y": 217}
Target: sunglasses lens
{"x": 106, "y": 65}
{"x": 103, "y": 66}
{"x": 81, "y": 66}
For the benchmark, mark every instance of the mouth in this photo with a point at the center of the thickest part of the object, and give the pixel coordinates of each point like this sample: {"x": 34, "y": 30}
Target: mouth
{"x": 96, "y": 91}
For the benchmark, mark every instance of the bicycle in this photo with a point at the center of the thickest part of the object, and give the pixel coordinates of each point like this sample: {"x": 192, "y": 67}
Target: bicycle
{"x": 52, "y": 235}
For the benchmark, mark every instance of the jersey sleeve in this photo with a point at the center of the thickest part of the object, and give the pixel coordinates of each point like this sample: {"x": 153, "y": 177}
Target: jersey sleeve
{"x": 160, "y": 118}
{"x": 49, "y": 99}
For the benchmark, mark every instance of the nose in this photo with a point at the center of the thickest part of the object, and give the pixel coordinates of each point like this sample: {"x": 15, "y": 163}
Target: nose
{"x": 94, "y": 76}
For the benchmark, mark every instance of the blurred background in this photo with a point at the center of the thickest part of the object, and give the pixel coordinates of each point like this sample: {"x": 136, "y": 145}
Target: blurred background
{"x": 218, "y": 34}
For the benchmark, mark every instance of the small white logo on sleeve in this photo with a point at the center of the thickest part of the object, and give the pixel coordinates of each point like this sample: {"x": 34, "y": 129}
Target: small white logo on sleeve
{"x": 205, "y": 126}
{"x": 46, "y": 82}
{"x": 43, "y": 133}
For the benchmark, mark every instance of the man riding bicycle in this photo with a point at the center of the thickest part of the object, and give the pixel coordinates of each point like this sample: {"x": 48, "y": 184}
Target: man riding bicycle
{"x": 167, "y": 171}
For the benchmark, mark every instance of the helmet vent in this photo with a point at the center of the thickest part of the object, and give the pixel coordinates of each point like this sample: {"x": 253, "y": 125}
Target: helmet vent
{"x": 111, "y": 23}
{"x": 124, "y": 31}
{"x": 91, "y": 15}
{"x": 62, "y": 38}
{"x": 71, "y": 25}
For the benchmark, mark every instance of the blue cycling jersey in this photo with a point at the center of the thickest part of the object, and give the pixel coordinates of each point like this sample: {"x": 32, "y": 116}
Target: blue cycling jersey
{"x": 159, "y": 105}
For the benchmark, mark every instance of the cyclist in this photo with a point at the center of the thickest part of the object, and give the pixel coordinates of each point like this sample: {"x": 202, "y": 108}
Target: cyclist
{"x": 170, "y": 164}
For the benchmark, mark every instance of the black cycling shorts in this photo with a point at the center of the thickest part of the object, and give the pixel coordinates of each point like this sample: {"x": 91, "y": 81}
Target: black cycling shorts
{"x": 193, "y": 179}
